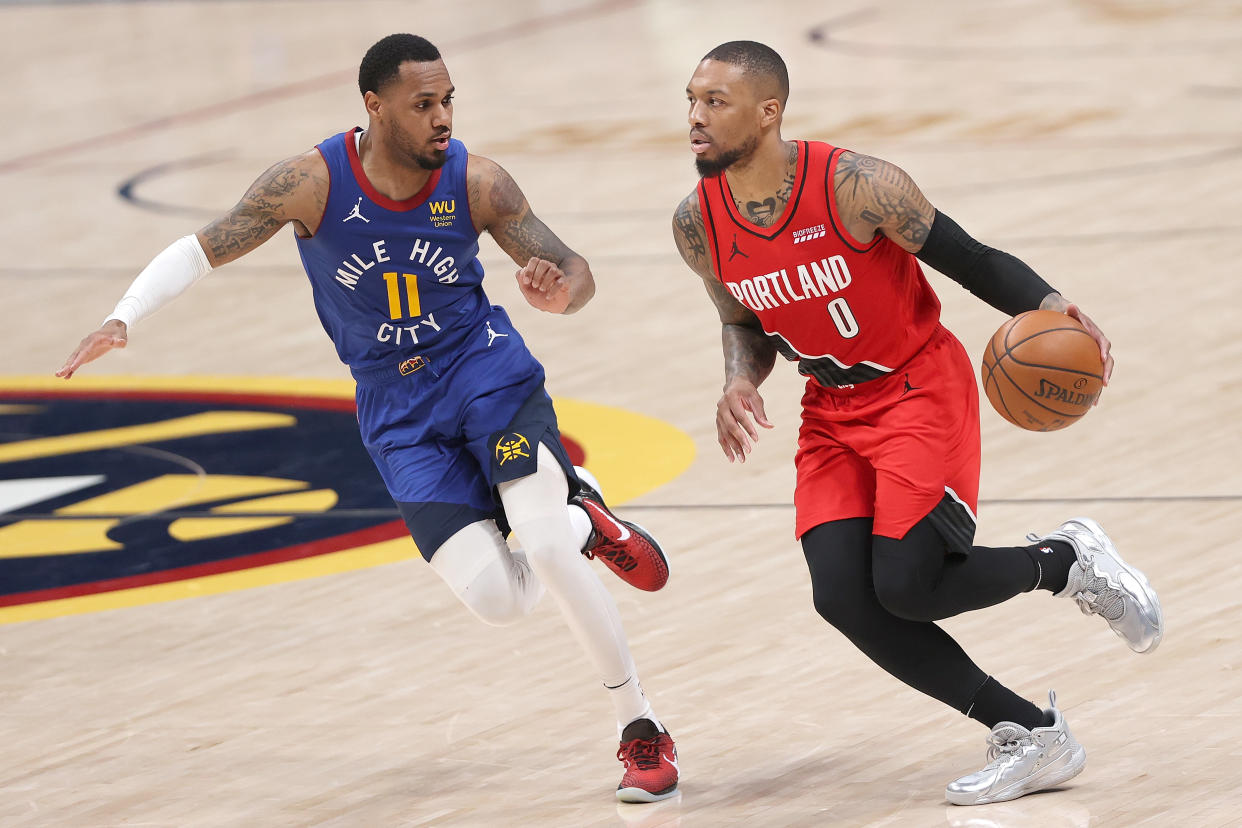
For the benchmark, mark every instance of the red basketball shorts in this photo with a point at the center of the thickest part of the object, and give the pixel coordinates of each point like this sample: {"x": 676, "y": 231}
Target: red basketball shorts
{"x": 896, "y": 449}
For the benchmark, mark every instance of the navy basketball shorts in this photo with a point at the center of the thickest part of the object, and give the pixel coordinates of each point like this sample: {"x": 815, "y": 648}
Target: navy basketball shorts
{"x": 443, "y": 442}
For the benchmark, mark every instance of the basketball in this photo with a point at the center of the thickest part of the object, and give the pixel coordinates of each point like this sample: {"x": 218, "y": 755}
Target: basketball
{"x": 1042, "y": 370}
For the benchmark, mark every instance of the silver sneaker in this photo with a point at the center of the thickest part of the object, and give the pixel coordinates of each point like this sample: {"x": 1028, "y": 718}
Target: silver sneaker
{"x": 1021, "y": 761}
{"x": 1103, "y": 584}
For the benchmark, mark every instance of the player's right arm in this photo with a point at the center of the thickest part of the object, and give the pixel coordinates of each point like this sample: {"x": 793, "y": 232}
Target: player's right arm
{"x": 552, "y": 277}
{"x": 294, "y": 190}
{"x": 749, "y": 353}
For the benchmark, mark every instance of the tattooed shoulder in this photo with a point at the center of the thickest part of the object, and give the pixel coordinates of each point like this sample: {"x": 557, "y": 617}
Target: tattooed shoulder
{"x": 688, "y": 233}
{"x": 873, "y": 194}
{"x": 504, "y": 195}
{"x": 492, "y": 193}
{"x": 474, "y": 193}
{"x": 310, "y": 205}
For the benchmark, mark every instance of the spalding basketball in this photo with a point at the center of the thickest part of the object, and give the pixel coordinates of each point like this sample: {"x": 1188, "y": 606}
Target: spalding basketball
{"x": 1042, "y": 370}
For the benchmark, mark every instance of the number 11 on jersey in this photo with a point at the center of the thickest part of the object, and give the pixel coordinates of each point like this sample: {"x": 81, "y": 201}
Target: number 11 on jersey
{"x": 394, "y": 295}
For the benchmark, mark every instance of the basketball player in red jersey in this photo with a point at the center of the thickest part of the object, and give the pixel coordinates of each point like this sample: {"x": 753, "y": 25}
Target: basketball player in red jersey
{"x": 810, "y": 250}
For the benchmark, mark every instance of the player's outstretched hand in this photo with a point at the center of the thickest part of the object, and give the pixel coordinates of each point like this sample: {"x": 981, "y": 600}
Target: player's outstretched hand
{"x": 739, "y": 409}
{"x": 544, "y": 286}
{"x": 111, "y": 335}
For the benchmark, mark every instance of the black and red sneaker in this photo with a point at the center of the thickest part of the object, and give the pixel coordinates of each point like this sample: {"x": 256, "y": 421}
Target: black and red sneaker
{"x": 650, "y": 760}
{"x": 625, "y": 547}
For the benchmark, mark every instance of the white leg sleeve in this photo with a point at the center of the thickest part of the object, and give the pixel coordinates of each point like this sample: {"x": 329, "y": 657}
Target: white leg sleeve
{"x": 535, "y": 507}
{"x": 495, "y": 584}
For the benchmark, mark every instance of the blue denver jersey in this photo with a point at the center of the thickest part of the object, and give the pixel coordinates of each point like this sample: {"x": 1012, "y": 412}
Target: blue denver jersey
{"x": 441, "y": 373}
{"x": 393, "y": 279}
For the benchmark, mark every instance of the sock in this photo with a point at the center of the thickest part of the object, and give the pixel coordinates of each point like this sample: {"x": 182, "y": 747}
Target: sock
{"x": 993, "y": 703}
{"x": 1048, "y": 720}
{"x": 1053, "y": 560}
{"x": 645, "y": 727}
{"x": 630, "y": 703}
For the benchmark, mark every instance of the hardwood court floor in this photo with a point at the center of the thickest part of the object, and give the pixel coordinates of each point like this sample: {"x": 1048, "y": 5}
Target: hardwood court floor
{"x": 1099, "y": 140}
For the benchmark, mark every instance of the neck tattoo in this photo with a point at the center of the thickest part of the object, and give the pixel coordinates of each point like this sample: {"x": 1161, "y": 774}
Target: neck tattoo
{"x": 764, "y": 213}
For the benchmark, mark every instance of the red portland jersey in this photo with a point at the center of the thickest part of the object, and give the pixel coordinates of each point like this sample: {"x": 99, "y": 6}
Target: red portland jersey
{"x": 849, "y": 311}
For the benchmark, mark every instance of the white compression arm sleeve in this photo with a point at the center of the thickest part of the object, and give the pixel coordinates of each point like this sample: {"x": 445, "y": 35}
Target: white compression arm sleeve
{"x": 180, "y": 265}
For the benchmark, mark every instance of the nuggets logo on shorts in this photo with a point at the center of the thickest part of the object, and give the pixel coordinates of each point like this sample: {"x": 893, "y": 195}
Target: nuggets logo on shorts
{"x": 411, "y": 365}
{"x": 511, "y": 447}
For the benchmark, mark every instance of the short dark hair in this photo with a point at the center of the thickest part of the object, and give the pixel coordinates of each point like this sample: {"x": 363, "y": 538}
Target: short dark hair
{"x": 382, "y": 61}
{"x": 756, "y": 61}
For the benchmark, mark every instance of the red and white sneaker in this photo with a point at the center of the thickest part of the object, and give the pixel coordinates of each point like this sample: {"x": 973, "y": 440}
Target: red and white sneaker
{"x": 650, "y": 759}
{"x": 626, "y": 548}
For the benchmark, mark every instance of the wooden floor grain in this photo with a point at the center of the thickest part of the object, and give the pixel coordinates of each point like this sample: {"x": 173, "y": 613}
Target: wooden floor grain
{"x": 1099, "y": 140}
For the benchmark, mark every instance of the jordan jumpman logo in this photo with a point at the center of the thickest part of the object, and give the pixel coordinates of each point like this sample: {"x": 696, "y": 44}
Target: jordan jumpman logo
{"x": 356, "y": 213}
{"x": 492, "y": 336}
{"x": 736, "y": 251}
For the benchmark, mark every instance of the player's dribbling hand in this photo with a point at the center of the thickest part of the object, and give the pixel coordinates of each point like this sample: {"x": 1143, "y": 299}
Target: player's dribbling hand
{"x": 739, "y": 409}
{"x": 1056, "y": 302}
{"x": 1105, "y": 346}
{"x": 111, "y": 335}
{"x": 543, "y": 285}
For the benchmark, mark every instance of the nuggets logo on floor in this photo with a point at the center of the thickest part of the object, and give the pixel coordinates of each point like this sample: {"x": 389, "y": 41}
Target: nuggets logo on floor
{"x": 116, "y": 491}
{"x": 100, "y": 490}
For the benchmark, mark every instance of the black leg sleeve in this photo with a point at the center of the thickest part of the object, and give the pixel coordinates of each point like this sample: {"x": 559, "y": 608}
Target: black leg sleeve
{"x": 920, "y": 654}
{"x": 915, "y": 580}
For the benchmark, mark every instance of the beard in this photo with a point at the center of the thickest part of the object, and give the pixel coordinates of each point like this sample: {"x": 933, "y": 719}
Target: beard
{"x": 427, "y": 159}
{"x": 709, "y": 167}
{"x": 434, "y": 161}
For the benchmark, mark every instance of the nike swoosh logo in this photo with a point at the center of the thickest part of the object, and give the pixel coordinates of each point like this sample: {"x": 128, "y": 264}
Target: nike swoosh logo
{"x": 672, "y": 762}
{"x": 625, "y": 530}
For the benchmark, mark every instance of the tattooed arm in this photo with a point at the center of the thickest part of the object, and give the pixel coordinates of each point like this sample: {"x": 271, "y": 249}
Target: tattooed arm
{"x": 552, "y": 277}
{"x": 749, "y": 353}
{"x": 295, "y": 190}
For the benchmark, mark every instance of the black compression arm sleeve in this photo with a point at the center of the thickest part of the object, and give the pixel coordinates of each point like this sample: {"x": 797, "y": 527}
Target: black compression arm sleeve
{"x": 1001, "y": 280}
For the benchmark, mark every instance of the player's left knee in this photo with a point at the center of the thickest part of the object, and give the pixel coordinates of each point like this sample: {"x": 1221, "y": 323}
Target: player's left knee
{"x": 904, "y": 601}
{"x": 901, "y": 591}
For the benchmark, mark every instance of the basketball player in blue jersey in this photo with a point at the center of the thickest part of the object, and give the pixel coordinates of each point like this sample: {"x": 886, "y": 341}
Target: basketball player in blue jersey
{"x": 451, "y": 404}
